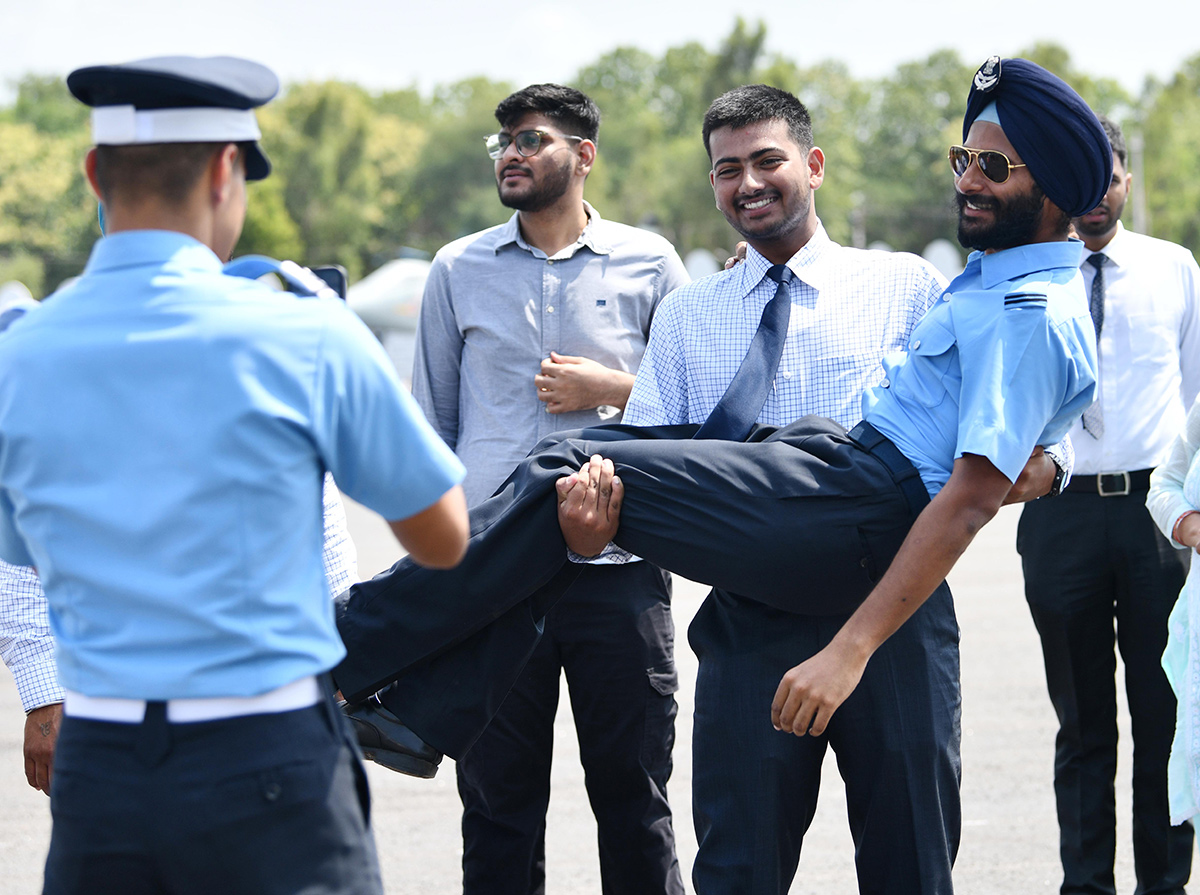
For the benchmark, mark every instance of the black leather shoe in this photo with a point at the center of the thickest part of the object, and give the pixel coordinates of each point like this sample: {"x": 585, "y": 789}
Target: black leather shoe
{"x": 385, "y": 740}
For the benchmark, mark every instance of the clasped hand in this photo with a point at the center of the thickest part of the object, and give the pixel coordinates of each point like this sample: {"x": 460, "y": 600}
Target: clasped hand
{"x": 589, "y": 506}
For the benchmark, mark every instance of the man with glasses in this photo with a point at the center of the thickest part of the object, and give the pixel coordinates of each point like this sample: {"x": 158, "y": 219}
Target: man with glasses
{"x": 527, "y": 329}
{"x": 1095, "y": 557}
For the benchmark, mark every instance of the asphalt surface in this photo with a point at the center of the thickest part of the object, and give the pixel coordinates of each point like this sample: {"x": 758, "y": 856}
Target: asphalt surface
{"x": 1009, "y": 839}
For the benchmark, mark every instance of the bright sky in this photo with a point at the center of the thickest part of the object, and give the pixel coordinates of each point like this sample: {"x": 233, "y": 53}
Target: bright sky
{"x": 399, "y": 43}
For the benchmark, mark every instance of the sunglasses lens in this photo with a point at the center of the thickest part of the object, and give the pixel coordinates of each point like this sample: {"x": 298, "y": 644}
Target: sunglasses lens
{"x": 994, "y": 165}
{"x": 960, "y": 160}
{"x": 529, "y": 142}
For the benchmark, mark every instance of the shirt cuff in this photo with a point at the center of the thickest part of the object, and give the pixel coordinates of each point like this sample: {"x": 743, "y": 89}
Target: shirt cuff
{"x": 37, "y": 682}
{"x": 611, "y": 555}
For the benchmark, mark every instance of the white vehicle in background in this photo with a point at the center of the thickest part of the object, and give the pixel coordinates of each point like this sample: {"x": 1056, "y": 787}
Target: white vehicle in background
{"x": 389, "y": 301}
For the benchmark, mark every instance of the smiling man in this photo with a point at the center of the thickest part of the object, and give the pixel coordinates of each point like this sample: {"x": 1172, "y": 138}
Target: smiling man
{"x": 1096, "y": 557}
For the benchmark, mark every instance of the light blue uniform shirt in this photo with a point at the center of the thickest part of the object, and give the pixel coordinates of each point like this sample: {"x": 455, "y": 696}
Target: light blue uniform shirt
{"x": 164, "y": 433}
{"x": 1005, "y": 361}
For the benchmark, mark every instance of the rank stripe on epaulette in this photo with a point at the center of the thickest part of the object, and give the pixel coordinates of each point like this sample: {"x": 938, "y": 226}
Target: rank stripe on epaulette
{"x": 1025, "y": 298}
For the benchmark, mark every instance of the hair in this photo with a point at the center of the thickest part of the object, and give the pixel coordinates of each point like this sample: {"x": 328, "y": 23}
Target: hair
{"x": 753, "y": 103}
{"x": 567, "y": 107}
{"x": 1116, "y": 138}
{"x": 167, "y": 171}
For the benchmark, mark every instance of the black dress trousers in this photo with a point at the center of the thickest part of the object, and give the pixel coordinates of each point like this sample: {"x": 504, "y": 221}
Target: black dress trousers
{"x": 803, "y": 503}
{"x": 1098, "y": 573}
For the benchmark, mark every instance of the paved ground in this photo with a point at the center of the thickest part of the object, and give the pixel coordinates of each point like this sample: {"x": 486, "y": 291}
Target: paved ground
{"x": 1009, "y": 840}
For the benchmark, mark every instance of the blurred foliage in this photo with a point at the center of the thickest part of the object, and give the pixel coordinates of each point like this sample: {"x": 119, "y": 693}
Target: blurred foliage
{"x": 360, "y": 175}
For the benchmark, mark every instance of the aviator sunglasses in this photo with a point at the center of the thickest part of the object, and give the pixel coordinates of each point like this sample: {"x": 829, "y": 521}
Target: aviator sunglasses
{"x": 995, "y": 165}
{"x": 528, "y": 142}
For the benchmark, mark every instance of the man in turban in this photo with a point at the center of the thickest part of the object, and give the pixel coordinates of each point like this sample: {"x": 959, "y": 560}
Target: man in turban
{"x": 806, "y": 519}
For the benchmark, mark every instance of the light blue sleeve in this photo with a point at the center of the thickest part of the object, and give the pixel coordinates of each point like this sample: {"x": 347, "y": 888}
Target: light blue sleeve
{"x": 370, "y": 432}
{"x": 12, "y": 545}
{"x": 1025, "y": 390}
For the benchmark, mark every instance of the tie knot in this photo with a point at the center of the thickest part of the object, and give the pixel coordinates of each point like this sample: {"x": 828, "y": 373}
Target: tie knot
{"x": 780, "y": 273}
{"x": 1097, "y": 260}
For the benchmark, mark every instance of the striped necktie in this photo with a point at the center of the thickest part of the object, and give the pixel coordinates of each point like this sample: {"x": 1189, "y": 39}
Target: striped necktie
{"x": 1093, "y": 417}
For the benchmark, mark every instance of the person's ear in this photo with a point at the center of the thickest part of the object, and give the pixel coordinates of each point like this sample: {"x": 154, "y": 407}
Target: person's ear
{"x": 585, "y": 157}
{"x": 89, "y": 168}
{"x": 222, "y": 169}
{"x": 816, "y": 167}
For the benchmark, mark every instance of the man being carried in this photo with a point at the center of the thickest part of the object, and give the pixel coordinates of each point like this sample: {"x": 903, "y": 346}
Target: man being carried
{"x": 1003, "y": 364}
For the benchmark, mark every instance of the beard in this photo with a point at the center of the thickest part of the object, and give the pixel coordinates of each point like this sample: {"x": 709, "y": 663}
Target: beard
{"x": 541, "y": 194}
{"x": 1100, "y": 228}
{"x": 766, "y": 231}
{"x": 1014, "y": 221}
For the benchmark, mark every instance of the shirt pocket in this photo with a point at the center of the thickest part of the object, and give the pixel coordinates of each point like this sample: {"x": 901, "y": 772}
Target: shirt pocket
{"x": 1151, "y": 340}
{"x": 926, "y": 375}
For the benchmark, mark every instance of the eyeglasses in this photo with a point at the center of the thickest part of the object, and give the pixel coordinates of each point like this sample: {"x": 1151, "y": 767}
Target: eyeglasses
{"x": 528, "y": 142}
{"x": 995, "y": 165}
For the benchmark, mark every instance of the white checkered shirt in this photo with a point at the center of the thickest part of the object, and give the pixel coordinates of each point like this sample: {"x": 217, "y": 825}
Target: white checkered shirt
{"x": 850, "y": 307}
{"x": 27, "y": 648}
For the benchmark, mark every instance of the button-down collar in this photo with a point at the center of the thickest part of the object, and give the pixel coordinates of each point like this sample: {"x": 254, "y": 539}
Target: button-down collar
{"x": 806, "y": 264}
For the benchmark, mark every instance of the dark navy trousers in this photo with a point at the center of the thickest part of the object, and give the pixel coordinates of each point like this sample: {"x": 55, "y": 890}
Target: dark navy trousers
{"x": 803, "y": 503}
{"x": 613, "y": 637}
{"x": 804, "y": 520}
{"x": 1093, "y": 564}
{"x": 270, "y": 803}
{"x": 896, "y": 740}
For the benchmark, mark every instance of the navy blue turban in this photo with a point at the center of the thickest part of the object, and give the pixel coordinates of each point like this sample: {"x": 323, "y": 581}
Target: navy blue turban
{"x": 1056, "y": 133}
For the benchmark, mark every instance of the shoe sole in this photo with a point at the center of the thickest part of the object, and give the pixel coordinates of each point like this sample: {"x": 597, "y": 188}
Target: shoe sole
{"x": 404, "y": 764}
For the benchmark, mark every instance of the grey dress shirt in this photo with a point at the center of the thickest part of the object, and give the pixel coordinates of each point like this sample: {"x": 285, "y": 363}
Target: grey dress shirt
{"x": 495, "y": 307}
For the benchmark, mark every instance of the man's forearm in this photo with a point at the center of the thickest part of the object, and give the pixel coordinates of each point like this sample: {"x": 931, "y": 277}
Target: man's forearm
{"x": 810, "y": 693}
{"x": 937, "y": 539}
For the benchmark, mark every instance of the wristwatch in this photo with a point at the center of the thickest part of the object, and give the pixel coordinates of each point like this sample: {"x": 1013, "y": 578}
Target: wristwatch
{"x": 1062, "y": 466}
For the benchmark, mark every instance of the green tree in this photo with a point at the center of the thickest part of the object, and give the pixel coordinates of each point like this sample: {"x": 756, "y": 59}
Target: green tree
{"x": 46, "y": 212}
{"x": 451, "y": 190}
{"x": 318, "y": 133}
{"x": 1104, "y": 95}
{"x": 44, "y": 102}
{"x": 1171, "y": 134}
{"x": 904, "y": 132}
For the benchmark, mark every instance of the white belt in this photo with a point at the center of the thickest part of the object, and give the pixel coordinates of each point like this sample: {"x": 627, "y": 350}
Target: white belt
{"x": 296, "y": 695}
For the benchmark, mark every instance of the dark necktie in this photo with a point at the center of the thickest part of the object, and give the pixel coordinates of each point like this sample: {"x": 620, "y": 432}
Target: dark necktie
{"x": 1093, "y": 417}
{"x": 745, "y": 396}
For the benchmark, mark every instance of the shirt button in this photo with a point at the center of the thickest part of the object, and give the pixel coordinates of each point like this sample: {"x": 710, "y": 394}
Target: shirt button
{"x": 916, "y": 345}
{"x": 886, "y": 383}
{"x": 549, "y": 260}
{"x": 787, "y": 374}
{"x": 550, "y": 309}
{"x": 946, "y": 297}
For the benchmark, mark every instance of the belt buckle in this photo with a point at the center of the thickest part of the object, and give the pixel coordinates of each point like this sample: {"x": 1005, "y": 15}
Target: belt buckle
{"x": 1124, "y": 478}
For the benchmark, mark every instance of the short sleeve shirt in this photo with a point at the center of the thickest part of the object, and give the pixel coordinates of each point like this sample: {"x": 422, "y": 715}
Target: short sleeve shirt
{"x": 1005, "y": 361}
{"x": 164, "y": 435}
